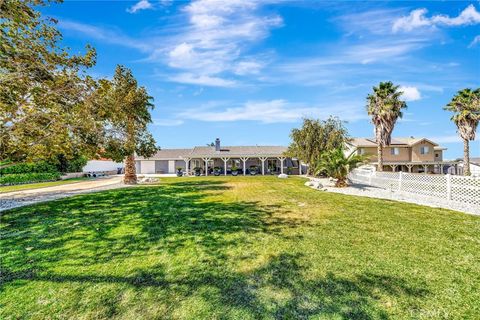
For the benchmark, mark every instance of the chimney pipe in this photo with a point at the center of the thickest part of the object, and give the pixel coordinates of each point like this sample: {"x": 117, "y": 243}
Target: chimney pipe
{"x": 217, "y": 144}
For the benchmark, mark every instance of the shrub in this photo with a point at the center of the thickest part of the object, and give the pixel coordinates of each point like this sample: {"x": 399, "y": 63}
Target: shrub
{"x": 37, "y": 167}
{"x": 21, "y": 178}
{"x": 77, "y": 164}
{"x": 70, "y": 165}
{"x": 337, "y": 165}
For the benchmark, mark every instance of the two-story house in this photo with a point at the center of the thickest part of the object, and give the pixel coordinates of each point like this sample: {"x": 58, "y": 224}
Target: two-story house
{"x": 403, "y": 154}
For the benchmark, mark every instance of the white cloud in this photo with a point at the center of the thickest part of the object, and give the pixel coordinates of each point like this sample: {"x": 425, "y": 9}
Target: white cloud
{"x": 205, "y": 43}
{"x": 373, "y": 21}
{"x": 417, "y": 19}
{"x": 468, "y": 16}
{"x": 382, "y": 51}
{"x": 140, "y": 5}
{"x": 205, "y": 80}
{"x": 447, "y": 139}
{"x": 410, "y": 93}
{"x": 106, "y": 35}
{"x": 167, "y": 122}
{"x": 359, "y": 61}
{"x": 474, "y": 42}
{"x": 247, "y": 67}
{"x": 274, "y": 111}
{"x": 215, "y": 39}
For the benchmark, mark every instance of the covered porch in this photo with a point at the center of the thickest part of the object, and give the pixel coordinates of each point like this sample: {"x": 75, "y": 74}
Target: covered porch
{"x": 243, "y": 165}
{"x": 429, "y": 167}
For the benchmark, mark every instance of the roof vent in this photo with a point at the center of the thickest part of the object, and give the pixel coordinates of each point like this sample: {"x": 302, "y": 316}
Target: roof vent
{"x": 217, "y": 145}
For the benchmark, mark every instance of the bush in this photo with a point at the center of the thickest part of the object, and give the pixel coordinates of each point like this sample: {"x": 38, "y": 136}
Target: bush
{"x": 21, "y": 178}
{"x": 77, "y": 164}
{"x": 37, "y": 167}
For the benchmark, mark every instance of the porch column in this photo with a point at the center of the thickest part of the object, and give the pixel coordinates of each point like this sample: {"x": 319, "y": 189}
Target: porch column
{"x": 409, "y": 166}
{"x": 425, "y": 168}
{"x": 225, "y": 164}
{"x": 263, "y": 164}
{"x": 187, "y": 165}
{"x": 244, "y": 159}
{"x": 394, "y": 166}
{"x": 441, "y": 169}
{"x": 206, "y": 165}
{"x": 281, "y": 163}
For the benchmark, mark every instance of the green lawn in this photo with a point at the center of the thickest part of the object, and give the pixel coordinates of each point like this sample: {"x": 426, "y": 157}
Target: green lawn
{"x": 237, "y": 248}
{"x": 38, "y": 185}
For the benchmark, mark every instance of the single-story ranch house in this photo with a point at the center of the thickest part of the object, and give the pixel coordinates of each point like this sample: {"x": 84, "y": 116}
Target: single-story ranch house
{"x": 246, "y": 159}
{"x": 418, "y": 155}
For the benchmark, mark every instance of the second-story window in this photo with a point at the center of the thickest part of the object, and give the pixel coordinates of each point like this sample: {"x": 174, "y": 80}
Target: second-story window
{"x": 395, "y": 151}
{"x": 424, "y": 150}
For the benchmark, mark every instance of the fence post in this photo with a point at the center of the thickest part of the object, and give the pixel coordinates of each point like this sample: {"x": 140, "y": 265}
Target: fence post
{"x": 449, "y": 187}
{"x": 400, "y": 178}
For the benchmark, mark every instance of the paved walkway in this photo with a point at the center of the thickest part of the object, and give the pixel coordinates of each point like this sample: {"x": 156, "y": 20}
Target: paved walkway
{"x": 20, "y": 198}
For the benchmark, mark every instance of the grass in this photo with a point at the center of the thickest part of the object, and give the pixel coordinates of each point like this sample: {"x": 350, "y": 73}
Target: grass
{"x": 237, "y": 248}
{"x": 38, "y": 185}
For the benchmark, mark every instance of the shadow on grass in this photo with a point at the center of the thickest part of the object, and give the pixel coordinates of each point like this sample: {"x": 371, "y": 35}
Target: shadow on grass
{"x": 135, "y": 222}
{"x": 99, "y": 227}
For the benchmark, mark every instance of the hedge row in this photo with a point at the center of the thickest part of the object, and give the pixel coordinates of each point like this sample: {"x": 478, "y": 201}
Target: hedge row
{"x": 22, "y": 178}
{"x": 37, "y": 167}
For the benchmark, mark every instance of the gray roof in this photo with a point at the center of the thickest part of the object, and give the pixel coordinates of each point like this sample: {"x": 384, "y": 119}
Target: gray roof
{"x": 168, "y": 154}
{"x": 371, "y": 142}
{"x": 225, "y": 151}
{"x": 245, "y": 151}
{"x": 475, "y": 160}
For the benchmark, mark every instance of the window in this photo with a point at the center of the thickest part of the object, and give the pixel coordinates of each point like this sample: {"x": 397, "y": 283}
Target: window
{"x": 295, "y": 163}
{"x": 195, "y": 163}
{"x": 395, "y": 151}
{"x": 424, "y": 150}
{"x": 234, "y": 163}
{"x": 272, "y": 165}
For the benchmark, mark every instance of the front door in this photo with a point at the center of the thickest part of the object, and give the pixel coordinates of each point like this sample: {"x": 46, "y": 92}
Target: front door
{"x": 171, "y": 166}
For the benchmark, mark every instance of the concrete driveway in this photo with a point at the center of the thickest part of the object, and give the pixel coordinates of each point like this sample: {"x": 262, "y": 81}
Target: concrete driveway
{"x": 15, "y": 199}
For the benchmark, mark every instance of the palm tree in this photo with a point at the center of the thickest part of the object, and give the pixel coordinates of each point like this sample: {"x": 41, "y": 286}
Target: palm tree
{"x": 337, "y": 165}
{"x": 385, "y": 107}
{"x": 466, "y": 108}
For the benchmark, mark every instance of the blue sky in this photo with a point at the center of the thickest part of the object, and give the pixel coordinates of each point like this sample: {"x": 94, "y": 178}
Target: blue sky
{"x": 248, "y": 71}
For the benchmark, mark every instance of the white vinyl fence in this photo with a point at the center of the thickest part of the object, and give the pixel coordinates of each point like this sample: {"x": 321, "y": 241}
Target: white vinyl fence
{"x": 450, "y": 188}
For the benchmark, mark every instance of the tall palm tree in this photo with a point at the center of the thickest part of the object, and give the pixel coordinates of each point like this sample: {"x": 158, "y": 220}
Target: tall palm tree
{"x": 466, "y": 108}
{"x": 385, "y": 107}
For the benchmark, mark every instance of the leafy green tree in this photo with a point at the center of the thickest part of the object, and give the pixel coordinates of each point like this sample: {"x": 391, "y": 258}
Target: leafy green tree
{"x": 384, "y": 106}
{"x": 316, "y": 137}
{"x": 42, "y": 88}
{"x": 337, "y": 165}
{"x": 466, "y": 108}
{"x": 127, "y": 114}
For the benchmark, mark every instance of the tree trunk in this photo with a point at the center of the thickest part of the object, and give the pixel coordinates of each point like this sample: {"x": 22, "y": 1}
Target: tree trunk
{"x": 466, "y": 158}
{"x": 380, "y": 157}
{"x": 341, "y": 183}
{"x": 130, "y": 172}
